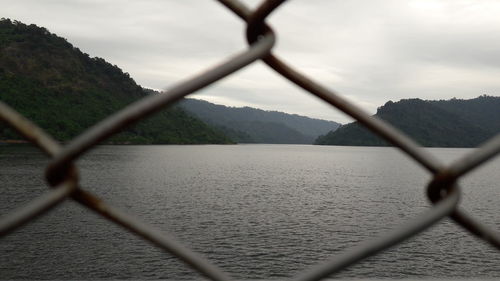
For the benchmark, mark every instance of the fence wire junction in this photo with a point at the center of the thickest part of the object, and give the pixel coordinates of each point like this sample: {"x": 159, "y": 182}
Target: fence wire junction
{"x": 62, "y": 175}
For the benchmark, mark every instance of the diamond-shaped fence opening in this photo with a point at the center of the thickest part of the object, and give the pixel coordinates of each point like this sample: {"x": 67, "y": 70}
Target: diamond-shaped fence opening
{"x": 62, "y": 174}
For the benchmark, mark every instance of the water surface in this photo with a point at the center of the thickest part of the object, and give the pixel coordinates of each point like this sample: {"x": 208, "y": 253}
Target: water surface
{"x": 257, "y": 211}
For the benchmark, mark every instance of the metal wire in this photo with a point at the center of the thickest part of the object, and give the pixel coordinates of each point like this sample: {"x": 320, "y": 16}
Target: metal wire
{"x": 62, "y": 174}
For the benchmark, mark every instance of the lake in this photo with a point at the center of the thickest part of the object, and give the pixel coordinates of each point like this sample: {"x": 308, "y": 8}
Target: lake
{"x": 257, "y": 211}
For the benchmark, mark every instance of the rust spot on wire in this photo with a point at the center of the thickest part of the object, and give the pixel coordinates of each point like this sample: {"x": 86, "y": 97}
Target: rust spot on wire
{"x": 443, "y": 190}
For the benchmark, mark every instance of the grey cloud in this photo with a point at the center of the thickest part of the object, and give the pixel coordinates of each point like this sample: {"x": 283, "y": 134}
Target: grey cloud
{"x": 478, "y": 48}
{"x": 368, "y": 51}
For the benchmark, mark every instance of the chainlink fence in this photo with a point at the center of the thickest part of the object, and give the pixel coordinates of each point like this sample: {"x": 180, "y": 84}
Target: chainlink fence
{"x": 62, "y": 174}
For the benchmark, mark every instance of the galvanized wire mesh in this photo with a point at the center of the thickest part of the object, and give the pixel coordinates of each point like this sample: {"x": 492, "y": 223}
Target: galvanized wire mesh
{"x": 62, "y": 174}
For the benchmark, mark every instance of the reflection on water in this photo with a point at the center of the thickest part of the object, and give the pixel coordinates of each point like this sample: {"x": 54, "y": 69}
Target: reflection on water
{"x": 257, "y": 211}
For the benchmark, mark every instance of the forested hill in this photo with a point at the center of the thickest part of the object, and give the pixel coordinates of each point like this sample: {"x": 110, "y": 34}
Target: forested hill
{"x": 443, "y": 123}
{"x": 65, "y": 91}
{"x": 251, "y": 125}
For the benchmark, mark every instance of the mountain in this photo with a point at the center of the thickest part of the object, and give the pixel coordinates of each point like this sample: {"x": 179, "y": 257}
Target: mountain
{"x": 251, "y": 125}
{"x": 443, "y": 123}
{"x": 65, "y": 91}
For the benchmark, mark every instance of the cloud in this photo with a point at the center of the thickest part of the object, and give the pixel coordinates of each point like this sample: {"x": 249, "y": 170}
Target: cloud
{"x": 368, "y": 51}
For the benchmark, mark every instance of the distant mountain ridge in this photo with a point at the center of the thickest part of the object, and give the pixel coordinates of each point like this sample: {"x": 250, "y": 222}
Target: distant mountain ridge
{"x": 442, "y": 123}
{"x": 65, "y": 91}
{"x": 251, "y": 125}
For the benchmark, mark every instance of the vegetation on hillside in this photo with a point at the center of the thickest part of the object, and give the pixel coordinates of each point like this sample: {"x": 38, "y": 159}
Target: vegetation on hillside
{"x": 444, "y": 123}
{"x": 251, "y": 125}
{"x": 65, "y": 91}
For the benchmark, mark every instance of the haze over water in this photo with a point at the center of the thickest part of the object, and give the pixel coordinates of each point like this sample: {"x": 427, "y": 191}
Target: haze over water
{"x": 257, "y": 211}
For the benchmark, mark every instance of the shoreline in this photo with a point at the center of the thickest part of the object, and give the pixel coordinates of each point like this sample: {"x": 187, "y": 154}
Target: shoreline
{"x": 13, "y": 141}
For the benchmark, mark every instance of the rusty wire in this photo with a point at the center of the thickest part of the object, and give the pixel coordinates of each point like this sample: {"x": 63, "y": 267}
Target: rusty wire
{"x": 62, "y": 175}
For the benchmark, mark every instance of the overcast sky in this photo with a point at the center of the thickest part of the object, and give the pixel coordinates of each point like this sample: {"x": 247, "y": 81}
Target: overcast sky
{"x": 368, "y": 51}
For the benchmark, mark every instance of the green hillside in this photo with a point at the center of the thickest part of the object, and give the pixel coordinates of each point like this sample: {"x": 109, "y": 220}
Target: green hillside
{"x": 252, "y": 125}
{"x": 65, "y": 91}
{"x": 444, "y": 123}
